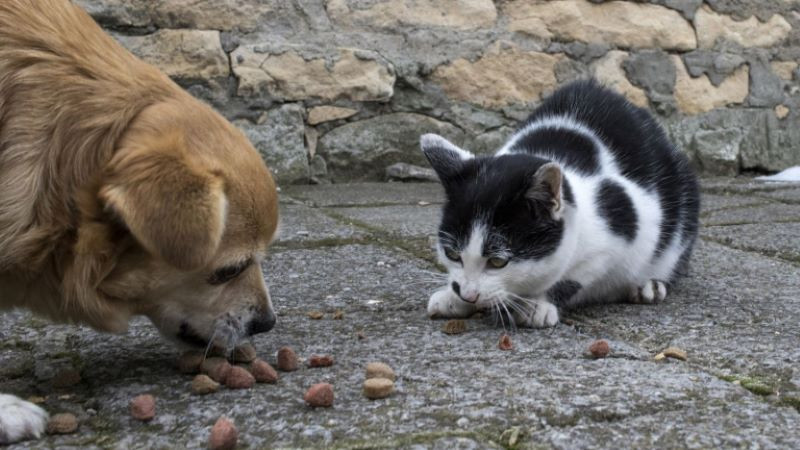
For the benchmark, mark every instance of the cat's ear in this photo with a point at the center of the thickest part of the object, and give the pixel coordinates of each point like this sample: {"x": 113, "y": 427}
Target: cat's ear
{"x": 546, "y": 188}
{"x": 446, "y": 158}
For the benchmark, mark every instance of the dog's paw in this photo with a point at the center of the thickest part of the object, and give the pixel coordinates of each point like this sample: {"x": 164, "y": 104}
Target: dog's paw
{"x": 542, "y": 315}
{"x": 443, "y": 304}
{"x": 653, "y": 291}
{"x": 20, "y": 420}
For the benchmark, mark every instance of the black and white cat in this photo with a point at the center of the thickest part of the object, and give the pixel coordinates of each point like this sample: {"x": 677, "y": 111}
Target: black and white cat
{"x": 588, "y": 201}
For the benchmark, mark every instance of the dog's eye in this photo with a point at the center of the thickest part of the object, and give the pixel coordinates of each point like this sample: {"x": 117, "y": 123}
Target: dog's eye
{"x": 227, "y": 273}
{"x": 452, "y": 255}
{"x": 496, "y": 262}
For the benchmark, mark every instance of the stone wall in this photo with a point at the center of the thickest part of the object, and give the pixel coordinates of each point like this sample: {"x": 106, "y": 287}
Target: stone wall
{"x": 336, "y": 90}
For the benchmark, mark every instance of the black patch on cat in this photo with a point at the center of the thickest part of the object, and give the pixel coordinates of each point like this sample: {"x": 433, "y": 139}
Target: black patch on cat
{"x": 570, "y": 148}
{"x": 640, "y": 148}
{"x": 491, "y": 191}
{"x": 562, "y": 291}
{"x": 456, "y": 288}
{"x": 616, "y": 207}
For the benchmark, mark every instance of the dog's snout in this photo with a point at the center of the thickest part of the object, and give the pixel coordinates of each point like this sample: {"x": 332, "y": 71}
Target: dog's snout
{"x": 261, "y": 323}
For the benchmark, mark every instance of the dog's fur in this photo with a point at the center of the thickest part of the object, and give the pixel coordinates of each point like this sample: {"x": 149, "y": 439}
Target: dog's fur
{"x": 120, "y": 194}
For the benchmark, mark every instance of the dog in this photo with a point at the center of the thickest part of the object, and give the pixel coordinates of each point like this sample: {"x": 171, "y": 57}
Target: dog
{"x": 120, "y": 194}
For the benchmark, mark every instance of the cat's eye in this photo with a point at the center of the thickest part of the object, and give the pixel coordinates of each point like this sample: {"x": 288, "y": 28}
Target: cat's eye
{"x": 228, "y": 273}
{"x": 497, "y": 262}
{"x": 452, "y": 255}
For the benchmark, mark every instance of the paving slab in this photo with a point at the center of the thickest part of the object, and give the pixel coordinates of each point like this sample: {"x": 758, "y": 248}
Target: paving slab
{"x": 419, "y": 221}
{"x": 301, "y": 224}
{"x": 374, "y": 194}
{"x": 771, "y": 212}
{"x": 774, "y": 239}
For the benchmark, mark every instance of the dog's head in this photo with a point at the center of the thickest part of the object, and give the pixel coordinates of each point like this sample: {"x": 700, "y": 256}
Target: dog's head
{"x": 178, "y": 226}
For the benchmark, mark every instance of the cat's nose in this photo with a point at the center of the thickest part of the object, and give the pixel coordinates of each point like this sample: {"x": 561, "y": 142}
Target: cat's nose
{"x": 467, "y": 296}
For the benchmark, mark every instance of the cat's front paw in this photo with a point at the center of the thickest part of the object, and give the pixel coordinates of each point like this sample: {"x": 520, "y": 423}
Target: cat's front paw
{"x": 543, "y": 314}
{"x": 653, "y": 291}
{"x": 443, "y": 304}
{"x": 20, "y": 420}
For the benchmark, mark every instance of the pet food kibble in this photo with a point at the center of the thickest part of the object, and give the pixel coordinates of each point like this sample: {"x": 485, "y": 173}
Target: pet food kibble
{"x": 217, "y": 368}
{"x": 244, "y": 353}
{"x": 224, "y": 435}
{"x": 375, "y": 388}
{"x": 379, "y": 370}
{"x": 64, "y": 423}
{"x": 505, "y": 342}
{"x": 320, "y": 394}
{"x": 143, "y": 407}
{"x": 287, "y": 359}
{"x": 203, "y": 384}
{"x": 239, "y": 378}
{"x": 263, "y": 372}
{"x": 599, "y": 348}
{"x": 675, "y": 352}
{"x": 320, "y": 361}
{"x": 338, "y": 315}
{"x": 455, "y": 326}
{"x": 189, "y": 362}
{"x": 315, "y": 315}
{"x": 66, "y": 377}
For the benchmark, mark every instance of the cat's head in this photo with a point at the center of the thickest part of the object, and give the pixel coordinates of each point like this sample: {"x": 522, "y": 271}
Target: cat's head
{"x": 502, "y": 224}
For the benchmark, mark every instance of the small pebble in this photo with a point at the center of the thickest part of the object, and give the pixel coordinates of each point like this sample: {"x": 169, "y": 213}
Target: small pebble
{"x": 287, "y": 359}
{"x": 63, "y": 423}
{"x": 143, "y": 407}
{"x": 66, "y": 378}
{"x": 224, "y": 435}
{"x": 189, "y": 362}
{"x": 263, "y": 372}
{"x": 320, "y": 394}
{"x": 599, "y": 348}
{"x": 338, "y": 315}
{"x": 379, "y": 370}
{"x": 455, "y": 326}
{"x": 660, "y": 357}
{"x": 203, "y": 384}
{"x": 505, "y": 342}
{"x": 315, "y": 315}
{"x": 244, "y": 353}
{"x": 675, "y": 352}
{"x": 320, "y": 361}
{"x": 217, "y": 368}
{"x": 361, "y": 336}
{"x": 37, "y": 399}
{"x": 239, "y": 378}
{"x": 375, "y": 388}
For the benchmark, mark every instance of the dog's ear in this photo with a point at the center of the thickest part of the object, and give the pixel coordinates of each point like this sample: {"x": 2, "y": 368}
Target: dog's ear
{"x": 174, "y": 207}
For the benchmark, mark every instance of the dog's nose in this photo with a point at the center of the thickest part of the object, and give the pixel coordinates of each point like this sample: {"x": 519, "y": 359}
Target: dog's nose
{"x": 262, "y": 323}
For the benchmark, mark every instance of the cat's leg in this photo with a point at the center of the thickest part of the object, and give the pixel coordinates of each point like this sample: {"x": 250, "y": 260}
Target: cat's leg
{"x": 652, "y": 291}
{"x": 537, "y": 313}
{"x": 20, "y": 420}
{"x": 444, "y": 303}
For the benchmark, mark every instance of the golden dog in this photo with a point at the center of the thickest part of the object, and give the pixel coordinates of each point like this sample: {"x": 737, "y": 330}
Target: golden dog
{"x": 120, "y": 194}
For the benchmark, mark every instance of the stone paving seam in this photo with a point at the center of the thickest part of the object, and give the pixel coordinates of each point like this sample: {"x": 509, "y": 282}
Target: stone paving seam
{"x": 772, "y": 254}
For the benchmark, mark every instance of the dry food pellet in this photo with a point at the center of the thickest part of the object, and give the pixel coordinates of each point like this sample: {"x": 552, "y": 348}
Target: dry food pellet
{"x": 320, "y": 361}
{"x": 319, "y": 395}
{"x": 505, "y": 342}
{"x": 675, "y": 352}
{"x": 224, "y": 435}
{"x": 239, "y": 378}
{"x": 244, "y": 353}
{"x": 455, "y": 326}
{"x": 143, "y": 407}
{"x": 338, "y": 314}
{"x": 263, "y": 372}
{"x": 287, "y": 359}
{"x": 315, "y": 315}
{"x": 599, "y": 348}
{"x": 217, "y": 368}
{"x": 376, "y": 388}
{"x": 203, "y": 384}
{"x": 63, "y": 423}
{"x": 379, "y": 370}
{"x": 189, "y": 362}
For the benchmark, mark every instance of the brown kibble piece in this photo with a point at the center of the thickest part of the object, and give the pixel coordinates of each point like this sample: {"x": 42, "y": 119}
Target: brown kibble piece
{"x": 239, "y": 378}
{"x": 203, "y": 384}
{"x": 217, "y": 368}
{"x": 315, "y": 315}
{"x": 455, "y": 326}
{"x": 361, "y": 336}
{"x": 224, "y": 435}
{"x": 189, "y": 362}
{"x": 379, "y": 370}
{"x": 244, "y": 353}
{"x": 675, "y": 352}
{"x": 320, "y": 361}
{"x": 599, "y": 348}
{"x": 66, "y": 377}
{"x": 63, "y": 423}
{"x": 505, "y": 342}
{"x": 143, "y": 407}
{"x": 320, "y": 394}
{"x": 263, "y": 372}
{"x": 338, "y": 314}
{"x": 287, "y": 359}
{"x": 375, "y": 388}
